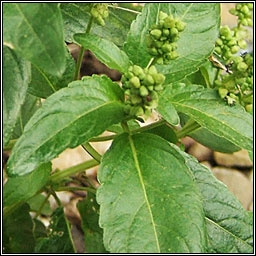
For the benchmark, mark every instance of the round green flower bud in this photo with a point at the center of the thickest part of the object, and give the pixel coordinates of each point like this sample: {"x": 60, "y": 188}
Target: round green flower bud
{"x": 158, "y": 44}
{"x": 135, "y": 82}
{"x": 249, "y": 107}
{"x": 174, "y": 31}
{"x": 235, "y": 49}
{"x": 139, "y": 111}
{"x": 217, "y": 50}
{"x": 245, "y": 10}
{"x": 250, "y": 6}
{"x": 250, "y": 22}
{"x": 242, "y": 66}
{"x": 159, "y": 78}
{"x": 233, "y": 11}
{"x": 156, "y": 33}
{"x": 225, "y": 31}
{"x": 173, "y": 55}
{"x": 180, "y": 25}
{"x": 242, "y": 44}
{"x": 153, "y": 51}
{"x": 219, "y": 42}
{"x": 163, "y": 38}
{"x": 244, "y": 22}
{"x": 169, "y": 22}
{"x": 162, "y": 15}
{"x": 95, "y": 13}
{"x": 167, "y": 47}
{"x": 160, "y": 60}
{"x": 152, "y": 70}
{"x": 237, "y": 59}
{"x": 129, "y": 74}
{"x": 151, "y": 88}
{"x": 135, "y": 99}
{"x": 223, "y": 92}
{"x": 127, "y": 92}
{"x": 158, "y": 87}
{"x": 148, "y": 80}
{"x": 143, "y": 91}
{"x": 232, "y": 42}
{"x": 137, "y": 70}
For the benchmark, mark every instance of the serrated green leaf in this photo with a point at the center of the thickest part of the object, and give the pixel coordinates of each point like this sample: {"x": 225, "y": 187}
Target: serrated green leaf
{"x": 19, "y": 189}
{"x": 195, "y": 44}
{"x": 16, "y": 77}
{"x": 93, "y": 234}
{"x": 18, "y": 232}
{"x": 29, "y": 107}
{"x": 210, "y": 140}
{"x": 211, "y": 112}
{"x": 144, "y": 198}
{"x": 229, "y": 225}
{"x": 60, "y": 239}
{"x": 77, "y": 15}
{"x": 106, "y": 51}
{"x": 44, "y": 84}
{"x": 67, "y": 119}
{"x": 35, "y": 32}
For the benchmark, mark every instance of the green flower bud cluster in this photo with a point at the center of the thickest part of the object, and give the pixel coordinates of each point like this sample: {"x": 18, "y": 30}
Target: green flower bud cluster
{"x": 238, "y": 86}
{"x": 141, "y": 87}
{"x": 229, "y": 43}
{"x": 244, "y": 12}
{"x": 100, "y": 11}
{"x": 162, "y": 38}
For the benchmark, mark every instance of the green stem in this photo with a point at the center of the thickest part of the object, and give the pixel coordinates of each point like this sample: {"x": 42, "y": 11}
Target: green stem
{"x": 125, "y": 126}
{"x": 189, "y": 127}
{"x": 124, "y": 9}
{"x": 82, "y": 50}
{"x": 42, "y": 206}
{"x": 53, "y": 193}
{"x": 76, "y": 188}
{"x": 87, "y": 146}
{"x": 103, "y": 138}
{"x": 59, "y": 176}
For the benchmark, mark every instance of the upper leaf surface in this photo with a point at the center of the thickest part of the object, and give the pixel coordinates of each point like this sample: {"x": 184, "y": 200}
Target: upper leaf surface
{"x": 144, "y": 198}
{"x": 35, "y": 32}
{"x": 77, "y": 15}
{"x": 16, "y": 77}
{"x": 195, "y": 44}
{"x": 44, "y": 84}
{"x": 229, "y": 226}
{"x": 106, "y": 51}
{"x": 67, "y": 118}
{"x": 211, "y": 112}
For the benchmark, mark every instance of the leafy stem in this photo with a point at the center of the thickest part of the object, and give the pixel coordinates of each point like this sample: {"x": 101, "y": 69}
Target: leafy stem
{"x": 82, "y": 50}
{"x": 59, "y": 176}
{"x": 42, "y": 206}
{"x": 189, "y": 127}
{"x": 150, "y": 62}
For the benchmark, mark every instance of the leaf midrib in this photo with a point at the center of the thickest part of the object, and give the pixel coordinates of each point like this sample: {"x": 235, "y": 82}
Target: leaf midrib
{"x": 137, "y": 166}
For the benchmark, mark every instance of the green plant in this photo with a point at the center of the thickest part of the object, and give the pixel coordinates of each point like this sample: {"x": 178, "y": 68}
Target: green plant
{"x": 153, "y": 196}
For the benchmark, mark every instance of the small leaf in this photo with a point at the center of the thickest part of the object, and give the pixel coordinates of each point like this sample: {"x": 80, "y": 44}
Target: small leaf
{"x": 144, "y": 198}
{"x": 77, "y": 15}
{"x": 35, "y": 32}
{"x": 16, "y": 77}
{"x": 19, "y": 189}
{"x": 229, "y": 227}
{"x": 210, "y": 140}
{"x": 93, "y": 234}
{"x": 44, "y": 84}
{"x": 60, "y": 239}
{"x": 117, "y": 128}
{"x": 68, "y": 118}
{"x": 106, "y": 51}
{"x": 195, "y": 44}
{"x": 18, "y": 232}
{"x": 35, "y": 203}
{"x": 211, "y": 112}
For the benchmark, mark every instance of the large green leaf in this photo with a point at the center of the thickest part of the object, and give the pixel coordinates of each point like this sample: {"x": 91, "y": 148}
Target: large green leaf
{"x": 18, "y": 232}
{"x": 195, "y": 44}
{"x": 44, "y": 84}
{"x": 148, "y": 200}
{"x": 210, "y": 140}
{"x": 35, "y": 32}
{"x": 16, "y": 77}
{"x": 93, "y": 234}
{"x": 229, "y": 225}
{"x": 67, "y": 119}
{"x": 18, "y": 190}
{"x": 106, "y": 51}
{"x": 211, "y": 112}
{"x": 59, "y": 239}
{"x": 29, "y": 107}
{"x": 77, "y": 15}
